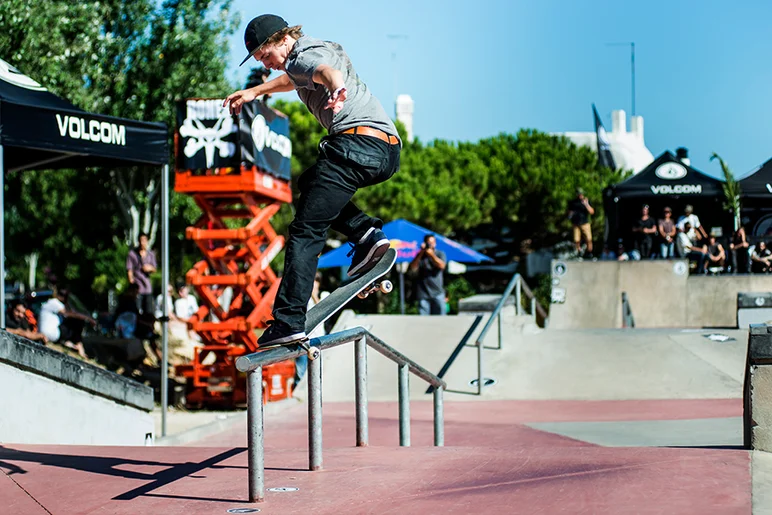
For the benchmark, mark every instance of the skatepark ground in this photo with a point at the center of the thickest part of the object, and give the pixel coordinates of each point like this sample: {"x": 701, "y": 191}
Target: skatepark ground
{"x": 578, "y": 421}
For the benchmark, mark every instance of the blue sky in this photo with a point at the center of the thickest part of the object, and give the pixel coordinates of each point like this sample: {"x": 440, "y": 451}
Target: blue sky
{"x": 476, "y": 69}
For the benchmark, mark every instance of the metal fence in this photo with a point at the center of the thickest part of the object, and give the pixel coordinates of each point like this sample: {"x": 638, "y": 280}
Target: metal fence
{"x": 253, "y": 364}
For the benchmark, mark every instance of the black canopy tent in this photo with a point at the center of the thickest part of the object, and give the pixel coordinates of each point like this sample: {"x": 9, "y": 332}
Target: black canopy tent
{"x": 39, "y": 130}
{"x": 756, "y": 199}
{"x": 667, "y": 181}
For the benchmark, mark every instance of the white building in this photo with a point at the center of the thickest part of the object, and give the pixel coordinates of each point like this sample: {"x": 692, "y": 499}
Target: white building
{"x": 628, "y": 148}
{"x": 405, "y": 107}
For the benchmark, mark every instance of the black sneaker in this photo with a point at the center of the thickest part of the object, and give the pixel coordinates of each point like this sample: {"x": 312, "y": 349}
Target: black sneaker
{"x": 368, "y": 252}
{"x": 279, "y": 333}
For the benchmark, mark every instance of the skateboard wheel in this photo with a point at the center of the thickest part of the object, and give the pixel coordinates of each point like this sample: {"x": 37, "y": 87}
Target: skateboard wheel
{"x": 362, "y": 295}
{"x": 386, "y": 286}
{"x": 314, "y": 353}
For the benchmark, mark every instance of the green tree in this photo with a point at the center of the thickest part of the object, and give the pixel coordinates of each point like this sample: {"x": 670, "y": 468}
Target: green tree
{"x": 731, "y": 191}
{"x": 127, "y": 59}
{"x": 534, "y": 175}
{"x": 442, "y": 185}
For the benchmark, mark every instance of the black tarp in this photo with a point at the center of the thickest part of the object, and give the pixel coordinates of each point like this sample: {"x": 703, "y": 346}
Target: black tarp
{"x": 39, "y": 130}
{"x": 667, "y": 181}
{"x": 758, "y": 185}
{"x": 756, "y": 200}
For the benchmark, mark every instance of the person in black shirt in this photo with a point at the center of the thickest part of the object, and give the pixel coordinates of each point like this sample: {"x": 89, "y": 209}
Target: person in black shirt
{"x": 716, "y": 255}
{"x": 17, "y": 323}
{"x": 644, "y": 230}
{"x": 579, "y": 211}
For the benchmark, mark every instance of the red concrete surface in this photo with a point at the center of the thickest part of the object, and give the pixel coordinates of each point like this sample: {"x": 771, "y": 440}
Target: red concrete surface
{"x": 498, "y": 423}
{"x": 522, "y": 479}
{"x": 493, "y": 464}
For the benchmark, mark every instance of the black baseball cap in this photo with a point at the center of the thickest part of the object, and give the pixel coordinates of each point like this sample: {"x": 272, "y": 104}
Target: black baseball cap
{"x": 259, "y": 30}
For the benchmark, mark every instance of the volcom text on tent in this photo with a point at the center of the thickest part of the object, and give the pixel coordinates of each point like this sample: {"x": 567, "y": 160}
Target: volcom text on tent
{"x": 679, "y": 189}
{"x": 91, "y": 130}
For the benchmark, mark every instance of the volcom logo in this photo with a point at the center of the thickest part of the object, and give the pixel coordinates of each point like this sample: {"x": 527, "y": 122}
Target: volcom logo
{"x": 263, "y": 137}
{"x": 209, "y": 138}
{"x": 10, "y": 74}
{"x": 91, "y": 130}
{"x": 670, "y": 171}
{"x": 678, "y": 189}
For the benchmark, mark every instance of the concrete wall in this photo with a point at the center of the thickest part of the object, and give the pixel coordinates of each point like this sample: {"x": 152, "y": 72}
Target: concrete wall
{"x": 50, "y": 398}
{"x": 660, "y": 292}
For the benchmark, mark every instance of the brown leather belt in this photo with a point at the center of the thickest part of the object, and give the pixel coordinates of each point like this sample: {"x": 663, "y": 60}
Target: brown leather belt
{"x": 375, "y": 133}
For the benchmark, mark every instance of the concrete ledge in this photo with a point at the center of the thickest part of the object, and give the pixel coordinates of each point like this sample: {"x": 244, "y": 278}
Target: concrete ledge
{"x": 757, "y": 419}
{"x": 25, "y": 355}
{"x": 483, "y": 303}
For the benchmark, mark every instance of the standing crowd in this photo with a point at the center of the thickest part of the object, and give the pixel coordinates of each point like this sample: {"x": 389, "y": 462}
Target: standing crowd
{"x": 668, "y": 238}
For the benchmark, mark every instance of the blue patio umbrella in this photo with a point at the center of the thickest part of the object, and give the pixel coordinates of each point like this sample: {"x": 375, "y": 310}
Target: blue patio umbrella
{"x": 407, "y": 238}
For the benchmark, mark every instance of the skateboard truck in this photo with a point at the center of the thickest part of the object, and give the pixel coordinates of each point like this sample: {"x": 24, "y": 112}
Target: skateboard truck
{"x": 313, "y": 352}
{"x": 382, "y": 286}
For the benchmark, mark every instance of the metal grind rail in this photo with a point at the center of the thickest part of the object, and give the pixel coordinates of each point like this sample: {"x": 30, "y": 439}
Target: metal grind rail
{"x": 519, "y": 286}
{"x": 252, "y": 364}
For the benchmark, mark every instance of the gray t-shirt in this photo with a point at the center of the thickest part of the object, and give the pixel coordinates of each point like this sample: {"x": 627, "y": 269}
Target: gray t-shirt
{"x": 429, "y": 284}
{"x": 360, "y": 108}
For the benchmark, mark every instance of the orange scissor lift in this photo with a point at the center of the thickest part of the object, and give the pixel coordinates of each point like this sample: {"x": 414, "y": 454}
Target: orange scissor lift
{"x": 238, "y": 242}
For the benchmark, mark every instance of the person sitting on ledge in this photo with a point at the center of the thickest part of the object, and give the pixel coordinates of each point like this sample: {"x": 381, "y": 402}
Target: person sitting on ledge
{"x": 761, "y": 259}
{"x": 716, "y": 255}
{"x": 691, "y": 250}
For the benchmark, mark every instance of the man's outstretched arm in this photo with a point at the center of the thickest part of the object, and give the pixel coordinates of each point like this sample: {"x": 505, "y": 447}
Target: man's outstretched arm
{"x": 280, "y": 84}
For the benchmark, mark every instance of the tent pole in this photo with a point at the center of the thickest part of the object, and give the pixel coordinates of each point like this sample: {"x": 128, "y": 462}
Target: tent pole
{"x": 164, "y": 296}
{"x": 2, "y": 238}
{"x": 401, "y": 291}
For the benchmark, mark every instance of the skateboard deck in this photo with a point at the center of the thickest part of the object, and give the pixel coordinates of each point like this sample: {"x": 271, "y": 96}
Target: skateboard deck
{"x": 361, "y": 286}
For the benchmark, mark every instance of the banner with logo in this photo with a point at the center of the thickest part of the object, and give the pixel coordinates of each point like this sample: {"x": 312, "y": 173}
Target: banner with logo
{"x": 604, "y": 146}
{"x": 209, "y": 137}
{"x": 264, "y": 138}
{"x": 41, "y": 130}
{"x": 668, "y": 176}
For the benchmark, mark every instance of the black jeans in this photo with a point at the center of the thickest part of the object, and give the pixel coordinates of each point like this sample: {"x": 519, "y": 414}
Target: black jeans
{"x": 346, "y": 162}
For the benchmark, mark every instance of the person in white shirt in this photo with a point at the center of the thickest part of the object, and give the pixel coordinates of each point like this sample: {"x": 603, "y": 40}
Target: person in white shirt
{"x": 697, "y": 231}
{"x": 169, "y": 303}
{"x": 186, "y": 305}
{"x": 60, "y": 324}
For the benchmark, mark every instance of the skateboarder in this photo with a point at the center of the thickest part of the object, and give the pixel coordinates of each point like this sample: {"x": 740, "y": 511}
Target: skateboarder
{"x": 361, "y": 149}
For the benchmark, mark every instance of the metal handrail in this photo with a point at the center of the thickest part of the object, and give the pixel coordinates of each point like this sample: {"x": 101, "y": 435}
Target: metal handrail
{"x": 517, "y": 284}
{"x": 253, "y": 364}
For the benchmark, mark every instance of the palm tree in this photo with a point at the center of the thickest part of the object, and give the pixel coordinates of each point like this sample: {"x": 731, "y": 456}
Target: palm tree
{"x": 731, "y": 190}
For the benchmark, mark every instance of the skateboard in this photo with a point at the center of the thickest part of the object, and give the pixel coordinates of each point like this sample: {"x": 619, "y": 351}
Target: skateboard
{"x": 362, "y": 286}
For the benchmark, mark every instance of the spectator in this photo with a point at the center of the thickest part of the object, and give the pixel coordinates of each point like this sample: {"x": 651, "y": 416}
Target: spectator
{"x": 62, "y": 325}
{"x": 690, "y": 250}
{"x": 667, "y": 235}
{"x": 623, "y": 255}
{"x": 739, "y": 248}
{"x": 644, "y": 230}
{"x": 761, "y": 259}
{"x": 140, "y": 263}
{"x": 579, "y": 211}
{"x": 715, "y": 254}
{"x": 607, "y": 254}
{"x": 17, "y": 323}
{"x": 697, "y": 231}
{"x": 169, "y": 303}
{"x": 186, "y": 304}
{"x": 130, "y": 323}
{"x": 430, "y": 264}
